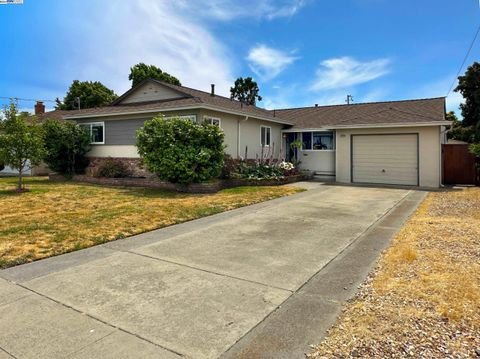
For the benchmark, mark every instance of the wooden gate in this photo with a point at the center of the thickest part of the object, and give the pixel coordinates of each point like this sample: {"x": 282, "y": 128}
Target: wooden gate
{"x": 458, "y": 165}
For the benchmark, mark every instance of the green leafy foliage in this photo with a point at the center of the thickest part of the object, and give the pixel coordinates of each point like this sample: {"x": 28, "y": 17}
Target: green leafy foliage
{"x": 262, "y": 171}
{"x": 91, "y": 94}
{"x": 469, "y": 87}
{"x": 474, "y": 148}
{"x": 113, "y": 168}
{"x": 66, "y": 146}
{"x": 181, "y": 151}
{"x": 245, "y": 90}
{"x": 458, "y": 131}
{"x": 468, "y": 129}
{"x": 141, "y": 72}
{"x": 21, "y": 142}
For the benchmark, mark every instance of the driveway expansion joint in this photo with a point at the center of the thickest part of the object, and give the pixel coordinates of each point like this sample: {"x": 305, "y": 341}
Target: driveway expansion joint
{"x": 8, "y": 353}
{"x": 114, "y": 327}
{"x": 207, "y": 271}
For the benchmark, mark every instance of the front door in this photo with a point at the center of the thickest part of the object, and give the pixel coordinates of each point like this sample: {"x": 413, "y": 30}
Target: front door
{"x": 290, "y": 151}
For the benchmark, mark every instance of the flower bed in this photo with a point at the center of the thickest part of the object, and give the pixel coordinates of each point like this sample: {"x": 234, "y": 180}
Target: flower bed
{"x": 206, "y": 187}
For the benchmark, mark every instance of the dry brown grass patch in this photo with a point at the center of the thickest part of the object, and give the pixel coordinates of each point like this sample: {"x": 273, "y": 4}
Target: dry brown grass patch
{"x": 55, "y": 218}
{"x": 423, "y": 300}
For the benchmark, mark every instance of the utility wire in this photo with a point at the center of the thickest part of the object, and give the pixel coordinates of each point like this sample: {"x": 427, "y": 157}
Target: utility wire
{"x": 24, "y": 99}
{"x": 464, "y": 61}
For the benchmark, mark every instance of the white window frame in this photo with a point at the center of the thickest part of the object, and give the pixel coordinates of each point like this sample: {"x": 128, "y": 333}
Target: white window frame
{"x": 261, "y": 139}
{"x": 211, "y": 119}
{"x": 93, "y": 124}
{"x": 192, "y": 118}
{"x": 311, "y": 141}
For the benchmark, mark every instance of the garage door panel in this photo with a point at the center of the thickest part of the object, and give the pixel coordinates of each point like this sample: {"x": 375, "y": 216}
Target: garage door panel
{"x": 385, "y": 159}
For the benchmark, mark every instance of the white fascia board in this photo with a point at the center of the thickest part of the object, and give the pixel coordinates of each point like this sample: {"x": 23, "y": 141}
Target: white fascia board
{"x": 205, "y": 107}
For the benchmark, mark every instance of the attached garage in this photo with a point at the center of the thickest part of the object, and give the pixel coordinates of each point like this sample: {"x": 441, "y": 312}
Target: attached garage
{"x": 385, "y": 159}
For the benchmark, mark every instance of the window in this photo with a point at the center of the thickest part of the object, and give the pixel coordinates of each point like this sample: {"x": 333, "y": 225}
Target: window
{"x": 317, "y": 141}
{"x": 96, "y": 131}
{"x": 212, "y": 120}
{"x": 192, "y": 118}
{"x": 306, "y": 141}
{"x": 265, "y": 135}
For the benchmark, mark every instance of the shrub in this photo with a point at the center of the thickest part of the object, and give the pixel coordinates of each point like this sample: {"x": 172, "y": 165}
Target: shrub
{"x": 181, "y": 151}
{"x": 475, "y": 149}
{"x": 262, "y": 171}
{"x": 231, "y": 167}
{"x": 66, "y": 146}
{"x": 112, "y": 168}
{"x": 2, "y": 166}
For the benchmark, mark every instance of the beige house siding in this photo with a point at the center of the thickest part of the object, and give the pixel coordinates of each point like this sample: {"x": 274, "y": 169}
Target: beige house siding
{"x": 320, "y": 162}
{"x": 151, "y": 91}
{"x": 429, "y": 152}
{"x": 250, "y": 137}
{"x": 120, "y": 133}
{"x": 229, "y": 125}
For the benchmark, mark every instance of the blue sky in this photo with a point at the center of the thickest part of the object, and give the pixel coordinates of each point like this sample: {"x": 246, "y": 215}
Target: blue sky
{"x": 301, "y": 52}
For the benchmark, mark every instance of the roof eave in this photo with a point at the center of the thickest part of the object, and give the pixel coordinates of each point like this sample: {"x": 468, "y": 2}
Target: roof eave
{"x": 377, "y": 125}
{"x": 176, "y": 108}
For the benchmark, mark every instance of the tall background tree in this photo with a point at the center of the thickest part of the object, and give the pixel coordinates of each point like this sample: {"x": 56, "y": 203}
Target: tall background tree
{"x": 91, "y": 94}
{"x": 21, "y": 142}
{"x": 469, "y": 87}
{"x": 245, "y": 90}
{"x": 141, "y": 71}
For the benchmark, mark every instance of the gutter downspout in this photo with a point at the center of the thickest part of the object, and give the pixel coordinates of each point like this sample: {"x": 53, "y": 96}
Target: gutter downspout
{"x": 238, "y": 135}
{"x": 443, "y": 140}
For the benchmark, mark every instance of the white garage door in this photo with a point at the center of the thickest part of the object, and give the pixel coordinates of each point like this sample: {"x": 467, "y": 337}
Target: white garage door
{"x": 388, "y": 159}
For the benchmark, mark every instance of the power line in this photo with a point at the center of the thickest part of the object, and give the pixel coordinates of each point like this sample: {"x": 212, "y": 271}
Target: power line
{"x": 24, "y": 99}
{"x": 464, "y": 60}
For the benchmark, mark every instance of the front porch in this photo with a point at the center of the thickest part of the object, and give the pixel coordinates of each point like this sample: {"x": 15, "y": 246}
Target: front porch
{"x": 312, "y": 151}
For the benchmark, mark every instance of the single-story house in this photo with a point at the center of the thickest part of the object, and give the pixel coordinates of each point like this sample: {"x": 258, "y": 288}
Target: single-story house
{"x": 397, "y": 142}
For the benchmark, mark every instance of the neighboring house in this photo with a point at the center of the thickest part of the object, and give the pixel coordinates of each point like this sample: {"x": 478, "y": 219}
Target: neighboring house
{"x": 385, "y": 143}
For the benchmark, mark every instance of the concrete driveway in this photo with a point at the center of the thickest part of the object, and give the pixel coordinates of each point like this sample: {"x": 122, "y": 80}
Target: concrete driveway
{"x": 231, "y": 285}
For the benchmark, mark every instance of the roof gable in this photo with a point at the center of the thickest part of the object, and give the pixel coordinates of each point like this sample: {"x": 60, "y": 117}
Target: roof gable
{"x": 149, "y": 91}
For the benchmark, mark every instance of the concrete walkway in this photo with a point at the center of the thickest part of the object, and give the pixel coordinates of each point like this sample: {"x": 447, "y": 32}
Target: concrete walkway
{"x": 263, "y": 281}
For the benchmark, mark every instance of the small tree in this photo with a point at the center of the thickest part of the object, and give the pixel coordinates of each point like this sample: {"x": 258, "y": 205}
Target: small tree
{"x": 66, "y": 146}
{"x": 181, "y": 151}
{"x": 21, "y": 142}
{"x": 91, "y": 94}
{"x": 245, "y": 90}
{"x": 141, "y": 72}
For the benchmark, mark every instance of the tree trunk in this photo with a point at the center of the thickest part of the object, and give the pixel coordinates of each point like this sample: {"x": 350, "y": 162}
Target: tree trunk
{"x": 20, "y": 180}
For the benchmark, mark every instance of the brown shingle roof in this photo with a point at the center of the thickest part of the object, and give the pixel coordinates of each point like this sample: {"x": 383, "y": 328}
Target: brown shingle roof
{"x": 53, "y": 115}
{"x": 393, "y": 112}
{"x": 192, "y": 97}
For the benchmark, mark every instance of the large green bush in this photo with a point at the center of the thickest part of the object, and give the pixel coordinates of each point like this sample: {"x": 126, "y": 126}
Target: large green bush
{"x": 66, "y": 146}
{"x": 181, "y": 151}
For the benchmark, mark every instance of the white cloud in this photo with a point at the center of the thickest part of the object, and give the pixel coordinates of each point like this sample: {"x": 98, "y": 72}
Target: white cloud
{"x": 268, "y": 62}
{"x": 108, "y": 38}
{"x": 226, "y": 10}
{"x": 344, "y": 72}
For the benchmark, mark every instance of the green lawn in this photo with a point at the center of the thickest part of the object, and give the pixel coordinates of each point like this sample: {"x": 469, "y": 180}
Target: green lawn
{"x": 55, "y": 218}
